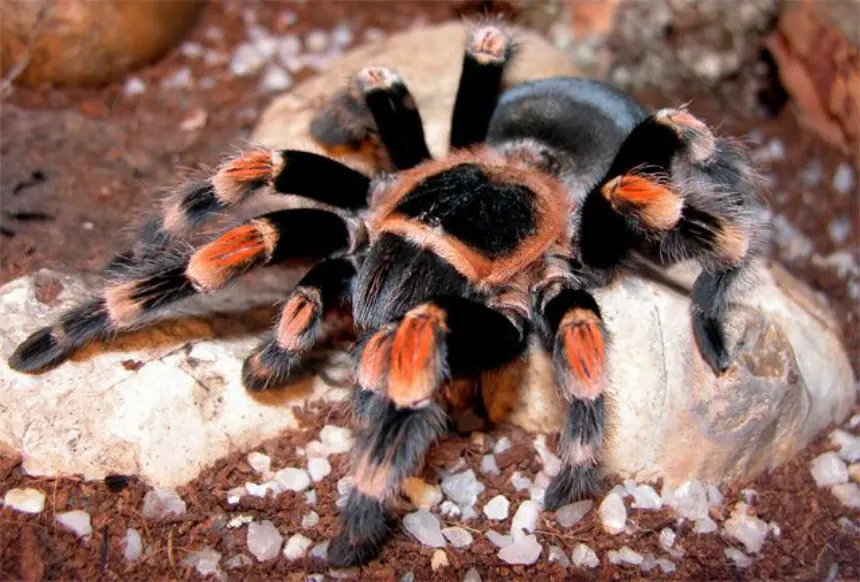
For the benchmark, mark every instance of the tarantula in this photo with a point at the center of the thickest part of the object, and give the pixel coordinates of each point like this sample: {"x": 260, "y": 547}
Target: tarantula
{"x": 450, "y": 266}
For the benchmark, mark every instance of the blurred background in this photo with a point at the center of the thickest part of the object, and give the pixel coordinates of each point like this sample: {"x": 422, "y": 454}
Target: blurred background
{"x": 103, "y": 102}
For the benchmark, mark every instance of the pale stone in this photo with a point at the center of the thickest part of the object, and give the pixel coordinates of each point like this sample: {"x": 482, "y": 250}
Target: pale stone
{"x": 497, "y": 508}
{"x": 320, "y": 551}
{"x": 132, "y": 546}
{"x": 297, "y": 546}
{"x": 526, "y": 517}
{"x": 310, "y": 520}
{"x": 584, "y": 557}
{"x": 238, "y": 561}
{"x": 439, "y": 560}
{"x": 264, "y": 540}
{"x": 740, "y": 559}
{"x": 293, "y": 479}
{"x": 499, "y": 540}
{"x": 556, "y": 554}
{"x": 705, "y": 525}
{"x": 746, "y": 528}
{"x": 520, "y": 481}
{"x": 462, "y": 488}
{"x": 849, "y": 445}
{"x": 667, "y": 538}
{"x": 502, "y": 445}
{"x": 848, "y": 494}
{"x": 828, "y": 469}
{"x": 259, "y": 462}
{"x": 489, "y": 466}
{"x": 337, "y": 439}
{"x": 318, "y": 469}
{"x": 77, "y": 521}
{"x": 523, "y": 549}
{"x": 424, "y": 527}
{"x": 27, "y": 500}
{"x": 459, "y": 537}
{"x": 613, "y": 514}
{"x": 205, "y": 561}
{"x": 162, "y": 502}
{"x": 644, "y": 497}
{"x": 573, "y": 513}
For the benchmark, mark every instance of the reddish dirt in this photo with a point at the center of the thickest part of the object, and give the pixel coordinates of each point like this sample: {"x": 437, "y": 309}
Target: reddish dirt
{"x": 78, "y": 165}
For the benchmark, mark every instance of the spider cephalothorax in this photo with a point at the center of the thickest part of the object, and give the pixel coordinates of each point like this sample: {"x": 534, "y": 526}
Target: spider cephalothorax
{"x": 451, "y": 267}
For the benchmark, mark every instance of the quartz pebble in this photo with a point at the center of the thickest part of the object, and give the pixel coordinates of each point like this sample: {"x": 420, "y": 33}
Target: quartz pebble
{"x": 77, "y": 521}
{"x": 439, "y": 560}
{"x": 449, "y": 509}
{"x": 337, "y": 439}
{"x": 849, "y": 445}
{"x": 239, "y": 521}
{"x": 843, "y": 179}
{"x": 297, "y": 546}
{"x": 667, "y": 538}
{"x": 258, "y": 490}
{"x": 459, "y": 537}
{"x": 319, "y": 469}
{"x": 551, "y": 462}
{"x": 259, "y": 462}
{"x": 573, "y": 513}
{"x": 320, "y": 551}
{"x": 705, "y": 525}
{"x": 205, "y": 561}
{"x": 275, "y": 79}
{"x": 472, "y": 576}
{"x": 584, "y": 557}
{"x": 132, "y": 545}
{"x": 497, "y": 508}
{"x": 310, "y": 520}
{"x": 523, "y": 549}
{"x": 134, "y": 86}
{"x": 747, "y": 529}
{"x": 556, "y": 554}
{"x": 740, "y": 559}
{"x": 462, "y": 488}
{"x": 848, "y": 494}
{"x": 316, "y": 40}
{"x": 526, "y": 517}
{"x": 644, "y": 497}
{"x": 425, "y": 527}
{"x": 421, "y": 494}
{"x": 828, "y": 469}
{"x": 668, "y": 566}
{"x": 264, "y": 540}
{"x": 499, "y": 540}
{"x": 690, "y": 500}
{"x": 238, "y": 561}
{"x": 520, "y": 481}
{"x": 27, "y": 500}
{"x": 625, "y": 556}
{"x": 489, "y": 466}
{"x": 162, "y": 502}
{"x": 613, "y": 514}
{"x": 341, "y": 35}
{"x": 502, "y": 445}
{"x": 315, "y": 449}
{"x": 292, "y": 479}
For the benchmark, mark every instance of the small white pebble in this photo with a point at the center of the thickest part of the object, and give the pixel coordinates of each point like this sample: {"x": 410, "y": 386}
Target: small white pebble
{"x": 584, "y": 557}
{"x": 191, "y": 49}
{"x": 246, "y": 60}
{"x": 812, "y": 174}
{"x": 715, "y": 498}
{"x": 337, "y": 439}
{"x": 275, "y": 79}
{"x": 613, "y": 514}
{"x": 849, "y": 445}
{"x": 497, "y": 508}
{"x": 449, "y": 509}
{"x": 238, "y": 561}
{"x": 747, "y": 529}
{"x": 472, "y": 576}
{"x": 520, "y": 482}
{"x": 316, "y": 41}
{"x": 854, "y": 421}
{"x": 289, "y": 18}
{"x": 310, "y": 520}
{"x": 439, "y": 560}
{"x": 310, "y": 497}
{"x": 625, "y": 556}
{"x": 774, "y": 528}
{"x": 740, "y": 559}
{"x": 690, "y": 500}
{"x": 526, "y": 517}
{"x": 705, "y": 525}
{"x": 87, "y": 225}
{"x": 551, "y": 462}
{"x": 292, "y": 479}
{"x": 502, "y": 445}
{"x": 556, "y": 554}
{"x": 499, "y": 540}
{"x": 644, "y": 497}
{"x": 297, "y": 546}
{"x": 239, "y": 520}
{"x": 320, "y": 551}
{"x": 341, "y": 35}
{"x": 264, "y": 540}
{"x": 318, "y": 468}
{"x": 132, "y": 546}
{"x": 666, "y": 565}
{"x": 843, "y": 179}
{"x": 134, "y": 86}
{"x": 205, "y": 561}
{"x": 316, "y": 449}
{"x": 828, "y": 469}
{"x": 570, "y": 515}
{"x": 424, "y": 527}
{"x": 235, "y": 494}
{"x": 523, "y": 549}
{"x": 162, "y": 502}
{"x": 462, "y": 488}
{"x": 258, "y": 490}
{"x": 667, "y": 538}
{"x": 180, "y": 79}
{"x": 489, "y": 466}
{"x": 27, "y": 500}
{"x": 848, "y": 494}
{"x": 459, "y": 537}
{"x": 77, "y": 521}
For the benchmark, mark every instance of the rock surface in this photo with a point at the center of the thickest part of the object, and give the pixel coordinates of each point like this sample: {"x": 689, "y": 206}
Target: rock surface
{"x": 166, "y": 401}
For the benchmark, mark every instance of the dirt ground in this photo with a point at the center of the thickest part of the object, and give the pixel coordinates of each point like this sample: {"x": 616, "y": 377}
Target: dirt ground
{"x": 78, "y": 165}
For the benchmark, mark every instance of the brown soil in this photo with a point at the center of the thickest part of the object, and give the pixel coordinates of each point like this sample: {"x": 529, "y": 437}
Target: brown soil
{"x": 78, "y": 165}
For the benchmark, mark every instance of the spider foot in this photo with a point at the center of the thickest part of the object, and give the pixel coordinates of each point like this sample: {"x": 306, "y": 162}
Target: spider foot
{"x": 489, "y": 44}
{"x": 364, "y": 528}
{"x": 571, "y": 484}
{"x": 696, "y": 138}
{"x": 712, "y": 342}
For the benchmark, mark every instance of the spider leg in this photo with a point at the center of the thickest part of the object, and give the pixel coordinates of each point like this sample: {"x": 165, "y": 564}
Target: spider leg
{"x": 691, "y": 194}
{"x": 300, "y": 326}
{"x": 143, "y": 289}
{"x": 488, "y": 50}
{"x": 572, "y": 324}
{"x": 396, "y": 115}
{"x": 401, "y": 369}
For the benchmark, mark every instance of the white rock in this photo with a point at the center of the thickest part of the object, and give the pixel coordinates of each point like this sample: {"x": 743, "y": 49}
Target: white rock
{"x": 310, "y": 497}
{"x": 854, "y": 421}
{"x": 449, "y": 509}
{"x": 77, "y": 521}
{"x": 705, "y": 525}
{"x": 667, "y": 538}
{"x": 337, "y": 439}
{"x": 259, "y": 490}
{"x": 297, "y": 546}
{"x": 319, "y": 469}
{"x": 848, "y": 494}
{"x": 715, "y": 497}
{"x": 275, "y": 79}
{"x": 573, "y": 513}
{"x": 740, "y": 559}
{"x": 310, "y": 520}
{"x": 690, "y": 500}
{"x": 408, "y": 577}
{"x": 843, "y": 179}
{"x": 205, "y": 561}
{"x": 289, "y": 46}
{"x": 812, "y": 173}
{"x": 316, "y": 40}
{"x": 264, "y": 540}
{"x": 239, "y": 520}
{"x": 134, "y": 86}
{"x": 621, "y": 491}
{"x": 520, "y": 481}
{"x": 179, "y": 79}
{"x": 341, "y": 35}
{"x": 489, "y": 466}
{"x": 320, "y": 551}
{"x": 132, "y": 546}
{"x": 292, "y": 479}
{"x": 315, "y": 449}
{"x": 28, "y": 500}
{"x": 499, "y": 540}
{"x": 556, "y": 554}
{"x": 502, "y": 445}
{"x": 625, "y": 556}
{"x": 828, "y": 469}
{"x": 467, "y": 513}
{"x": 261, "y": 463}
{"x": 162, "y": 502}
{"x": 613, "y": 514}
{"x": 667, "y": 566}
{"x": 648, "y": 562}
{"x": 425, "y": 527}
{"x": 422, "y": 494}
{"x": 747, "y": 529}
{"x": 462, "y": 488}
{"x": 497, "y": 508}
{"x": 584, "y": 557}
{"x": 644, "y": 497}
{"x": 629, "y": 486}
{"x": 526, "y": 517}
{"x": 235, "y": 494}
{"x": 551, "y": 462}
{"x": 238, "y": 561}
{"x": 246, "y": 60}
{"x": 438, "y": 560}
{"x": 523, "y": 549}
{"x": 472, "y": 576}
{"x": 849, "y": 445}
{"x": 459, "y": 537}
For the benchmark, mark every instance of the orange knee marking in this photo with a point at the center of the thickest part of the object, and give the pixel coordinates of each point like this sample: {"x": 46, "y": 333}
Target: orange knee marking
{"x": 233, "y": 177}
{"x": 374, "y": 360}
{"x": 653, "y": 203}
{"x": 120, "y": 305}
{"x": 373, "y": 479}
{"x": 297, "y": 317}
{"x": 414, "y": 375}
{"x": 235, "y": 251}
{"x": 733, "y": 243}
{"x": 584, "y": 351}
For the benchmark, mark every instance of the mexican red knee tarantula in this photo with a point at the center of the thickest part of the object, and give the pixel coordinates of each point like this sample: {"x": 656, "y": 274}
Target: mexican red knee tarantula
{"x": 448, "y": 266}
